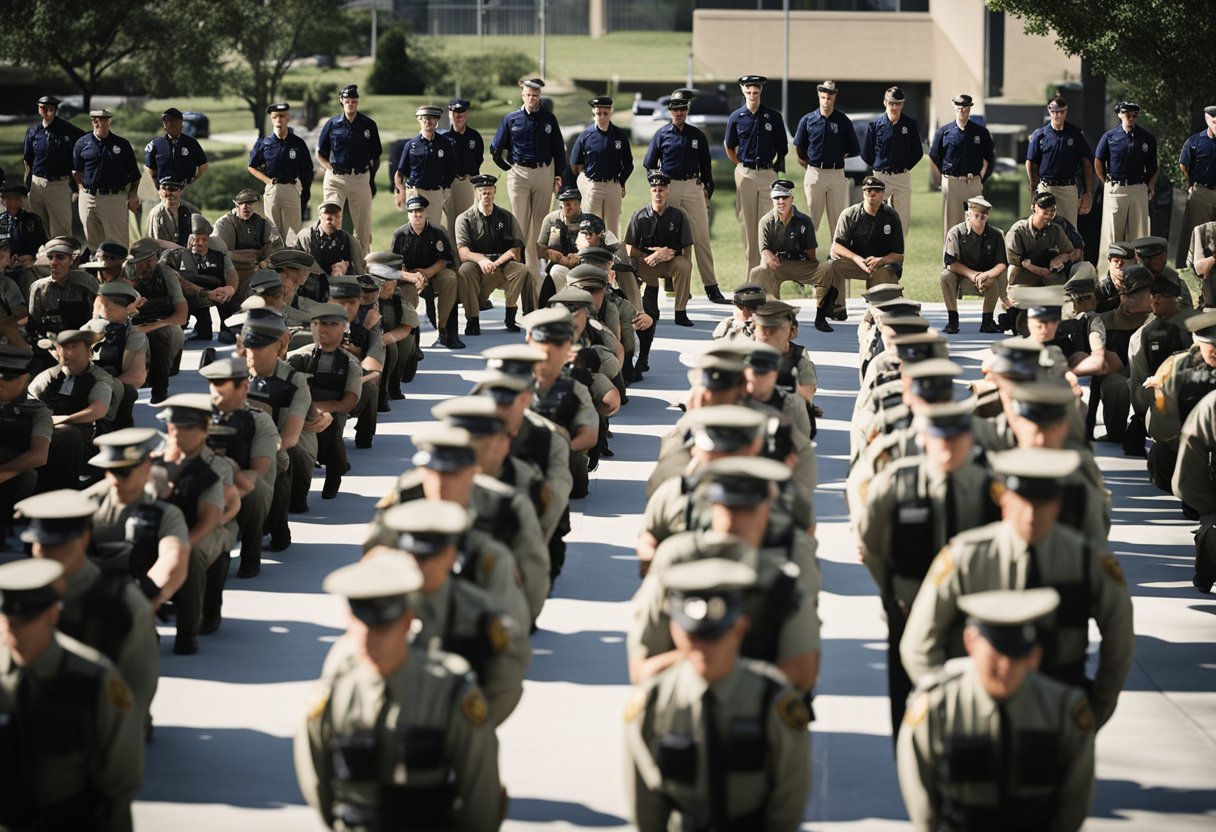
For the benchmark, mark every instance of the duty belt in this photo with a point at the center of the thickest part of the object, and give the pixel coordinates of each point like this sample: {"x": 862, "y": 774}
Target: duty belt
{"x": 755, "y": 165}
{"x": 1122, "y": 183}
{"x": 837, "y": 166}
{"x": 284, "y": 181}
{"x": 104, "y": 191}
{"x": 1058, "y": 183}
{"x": 57, "y": 178}
{"x": 892, "y": 172}
{"x": 348, "y": 171}
{"x": 532, "y": 164}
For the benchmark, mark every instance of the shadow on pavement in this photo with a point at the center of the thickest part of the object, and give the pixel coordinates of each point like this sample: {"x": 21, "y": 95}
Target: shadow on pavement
{"x": 536, "y": 810}
{"x": 876, "y": 795}
{"x": 1113, "y": 797}
{"x": 230, "y": 766}
{"x": 225, "y": 656}
{"x": 615, "y": 571}
{"x": 588, "y": 657}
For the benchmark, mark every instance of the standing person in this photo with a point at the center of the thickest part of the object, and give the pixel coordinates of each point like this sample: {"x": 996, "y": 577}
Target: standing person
{"x": 24, "y": 229}
{"x": 427, "y": 167}
{"x": 868, "y": 245}
{"x": 756, "y": 146}
{"x": 53, "y": 686}
{"x": 681, "y": 151}
{"x": 893, "y": 147}
{"x": 108, "y": 177}
{"x": 962, "y": 155}
{"x": 1055, "y": 153}
{"x": 1126, "y": 162}
{"x": 823, "y": 140}
{"x": 174, "y": 154}
{"x": 966, "y": 755}
{"x": 1198, "y": 163}
{"x": 601, "y": 159}
{"x": 973, "y": 257}
{"x": 349, "y": 149}
{"x": 282, "y": 161}
{"x": 529, "y": 146}
{"x": 490, "y": 244}
{"x": 657, "y": 240}
{"x": 470, "y": 153}
{"x": 46, "y": 156}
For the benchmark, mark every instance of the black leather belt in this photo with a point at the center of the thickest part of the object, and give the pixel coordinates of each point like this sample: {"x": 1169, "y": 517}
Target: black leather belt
{"x": 751, "y": 166}
{"x": 532, "y": 165}
{"x": 838, "y": 166}
{"x": 602, "y": 179}
{"x": 1058, "y": 183}
{"x": 892, "y": 172}
{"x": 347, "y": 171}
{"x": 283, "y": 181}
{"x": 685, "y": 178}
{"x": 960, "y": 175}
{"x": 105, "y": 191}
{"x": 1122, "y": 183}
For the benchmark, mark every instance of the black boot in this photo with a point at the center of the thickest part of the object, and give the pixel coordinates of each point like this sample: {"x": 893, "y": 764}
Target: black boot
{"x": 988, "y": 325}
{"x": 450, "y": 337}
{"x": 428, "y": 295}
{"x": 826, "y": 306}
{"x": 682, "y": 318}
{"x": 509, "y": 320}
{"x": 202, "y": 326}
{"x": 627, "y": 369}
{"x": 333, "y": 484}
{"x": 668, "y": 288}
{"x": 207, "y": 357}
{"x": 713, "y": 293}
{"x": 472, "y": 326}
{"x": 951, "y": 323}
{"x": 642, "y": 365}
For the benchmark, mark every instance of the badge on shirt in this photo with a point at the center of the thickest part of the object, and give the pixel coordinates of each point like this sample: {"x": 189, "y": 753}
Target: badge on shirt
{"x": 835, "y": 127}
{"x": 616, "y": 145}
{"x": 472, "y": 144}
{"x": 148, "y": 147}
{"x": 904, "y": 130}
{"x": 1144, "y": 147}
{"x": 768, "y": 126}
{"x": 696, "y": 143}
{"x": 116, "y": 150}
{"x": 367, "y": 134}
{"x": 671, "y": 226}
{"x": 291, "y": 154}
{"x": 548, "y": 128}
{"x": 1069, "y": 142}
{"x": 886, "y": 229}
{"x": 185, "y": 151}
{"x": 439, "y": 245}
{"x": 977, "y": 139}
{"x": 500, "y": 225}
{"x": 439, "y": 153}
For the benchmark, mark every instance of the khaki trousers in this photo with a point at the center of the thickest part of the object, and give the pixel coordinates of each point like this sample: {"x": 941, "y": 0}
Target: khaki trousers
{"x": 474, "y": 286}
{"x": 955, "y": 285}
{"x": 437, "y": 200}
{"x": 1200, "y": 208}
{"x": 679, "y": 269}
{"x": 689, "y": 197}
{"x": 445, "y": 282}
{"x": 604, "y": 200}
{"x": 837, "y": 271}
{"x": 355, "y": 190}
{"x": 460, "y": 199}
{"x": 827, "y": 191}
{"x": 956, "y": 190}
{"x": 530, "y": 191}
{"x": 803, "y": 272}
{"x": 1066, "y": 200}
{"x": 283, "y": 207}
{"x": 899, "y": 196}
{"x": 104, "y": 217}
{"x": 753, "y": 199}
{"x": 1124, "y": 217}
{"x": 52, "y": 202}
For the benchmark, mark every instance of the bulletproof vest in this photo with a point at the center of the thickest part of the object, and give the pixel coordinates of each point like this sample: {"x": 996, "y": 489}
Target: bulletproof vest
{"x": 155, "y": 290}
{"x": 183, "y": 225}
{"x": 209, "y": 269}
{"x": 1118, "y": 340}
{"x": 391, "y": 312}
{"x": 329, "y": 250}
{"x": 914, "y": 525}
{"x": 1033, "y": 761}
{"x": 787, "y": 369}
{"x": 65, "y": 404}
{"x": 101, "y": 619}
{"x": 108, "y": 354}
{"x": 360, "y": 336}
{"x": 327, "y": 386}
{"x": 358, "y": 758}
{"x": 239, "y": 445}
{"x": 142, "y": 532}
{"x": 274, "y": 392}
{"x": 57, "y": 719}
{"x": 500, "y": 522}
{"x": 536, "y": 487}
{"x": 1160, "y": 342}
{"x": 316, "y": 287}
{"x": 535, "y": 445}
{"x": 1073, "y": 505}
{"x": 1071, "y": 614}
{"x": 768, "y": 609}
{"x": 16, "y": 425}
{"x": 1195, "y": 379}
{"x": 1072, "y": 336}
{"x": 476, "y": 647}
{"x": 191, "y": 482}
{"x": 559, "y": 404}
{"x": 74, "y": 309}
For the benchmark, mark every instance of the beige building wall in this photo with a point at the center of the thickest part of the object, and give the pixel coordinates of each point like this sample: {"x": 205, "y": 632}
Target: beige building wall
{"x": 957, "y": 59}
{"x": 1032, "y": 62}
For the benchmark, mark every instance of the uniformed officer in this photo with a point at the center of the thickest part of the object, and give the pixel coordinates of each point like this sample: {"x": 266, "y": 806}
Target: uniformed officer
{"x": 1193, "y": 484}
{"x": 337, "y": 253}
{"x": 362, "y": 340}
{"x": 602, "y": 160}
{"x": 427, "y": 166}
{"x": 281, "y": 160}
{"x": 657, "y": 240}
{"x": 336, "y": 381}
{"x": 868, "y": 243}
{"x": 1126, "y": 161}
{"x": 1176, "y": 388}
{"x": 990, "y": 742}
{"x": 194, "y": 478}
{"x": 108, "y": 176}
{"x": 1054, "y": 154}
{"x": 717, "y": 424}
{"x": 25, "y": 433}
{"x": 1197, "y": 161}
{"x": 80, "y": 396}
{"x": 974, "y": 258}
{"x": 1162, "y": 335}
{"x": 756, "y": 146}
{"x": 962, "y": 154}
{"x": 175, "y": 154}
{"x": 529, "y": 145}
{"x": 1029, "y": 549}
{"x": 1082, "y": 334}
{"x": 491, "y": 242}
{"x": 162, "y": 314}
{"x": 598, "y": 354}
{"x": 1037, "y": 249}
{"x": 250, "y": 239}
{"x": 1200, "y": 258}
{"x": 399, "y": 325}
{"x": 681, "y": 151}
{"x": 892, "y": 148}
{"x": 824, "y": 139}
{"x": 558, "y": 241}
{"x": 470, "y": 153}
{"x": 169, "y": 220}
{"x": 52, "y": 686}
{"x": 388, "y": 712}
{"x": 1151, "y": 253}
{"x": 25, "y": 230}
{"x": 787, "y": 246}
{"x": 746, "y": 299}
{"x": 1118, "y": 255}
{"x": 102, "y": 606}
{"x": 46, "y": 156}
{"x": 63, "y": 299}
{"x": 1121, "y": 323}
{"x": 123, "y": 349}
{"x": 427, "y": 261}
{"x": 715, "y": 741}
{"x": 294, "y": 268}
{"x": 349, "y": 150}
{"x": 204, "y": 264}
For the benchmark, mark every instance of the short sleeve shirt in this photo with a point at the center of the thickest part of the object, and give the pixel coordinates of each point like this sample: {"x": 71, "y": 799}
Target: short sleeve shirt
{"x": 648, "y": 230}
{"x": 975, "y": 251}
{"x": 795, "y": 237}
{"x": 110, "y": 519}
{"x": 1025, "y": 243}
{"x": 493, "y": 234}
{"x": 867, "y": 236}
{"x": 421, "y": 251}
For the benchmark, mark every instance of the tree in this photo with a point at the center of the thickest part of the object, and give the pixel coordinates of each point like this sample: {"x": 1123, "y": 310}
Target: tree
{"x": 1152, "y": 50}
{"x": 90, "y": 40}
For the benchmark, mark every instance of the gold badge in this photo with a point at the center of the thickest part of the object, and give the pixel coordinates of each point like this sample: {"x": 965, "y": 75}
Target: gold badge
{"x": 943, "y": 566}
{"x": 793, "y": 712}
{"x": 1083, "y": 716}
{"x": 473, "y": 706}
{"x": 634, "y": 707}
{"x": 488, "y": 563}
{"x": 1112, "y": 567}
{"x": 317, "y": 708}
{"x": 996, "y": 490}
{"x": 916, "y": 712}
{"x": 118, "y": 693}
{"x": 496, "y": 632}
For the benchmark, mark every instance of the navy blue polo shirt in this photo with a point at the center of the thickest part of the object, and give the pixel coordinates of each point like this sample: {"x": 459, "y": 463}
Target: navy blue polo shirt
{"x": 180, "y": 158}
{"x": 105, "y": 164}
{"x": 1058, "y": 153}
{"x": 470, "y": 150}
{"x": 25, "y": 232}
{"x": 532, "y": 138}
{"x": 350, "y": 144}
{"x": 960, "y": 152}
{"x": 284, "y": 160}
{"x": 758, "y": 138}
{"x": 1128, "y": 157}
{"x": 421, "y": 251}
{"x": 428, "y": 165}
{"x": 48, "y": 150}
{"x": 892, "y": 147}
{"x": 604, "y": 154}
{"x": 681, "y": 154}
{"x": 825, "y": 141}
{"x": 1199, "y": 156}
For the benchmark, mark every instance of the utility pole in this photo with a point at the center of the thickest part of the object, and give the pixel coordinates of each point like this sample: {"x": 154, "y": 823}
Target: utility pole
{"x": 542, "y": 38}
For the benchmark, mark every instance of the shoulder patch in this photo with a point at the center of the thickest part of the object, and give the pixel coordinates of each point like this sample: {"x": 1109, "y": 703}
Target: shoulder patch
{"x": 915, "y": 713}
{"x": 1112, "y": 567}
{"x": 118, "y": 693}
{"x": 496, "y": 632}
{"x": 473, "y": 706}
{"x": 943, "y": 566}
{"x": 635, "y": 706}
{"x": 488, "y": 562}
{"x": 996, "y": 490}
{"x": 793, "y": 712}
{"x": 317, "y": 707}
{"x": 1083, "y": 716}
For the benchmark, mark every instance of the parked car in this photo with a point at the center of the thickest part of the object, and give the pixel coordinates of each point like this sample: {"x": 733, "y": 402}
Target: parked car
{"x": 196, "y": 125}
{"x": 709, "y": 112}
